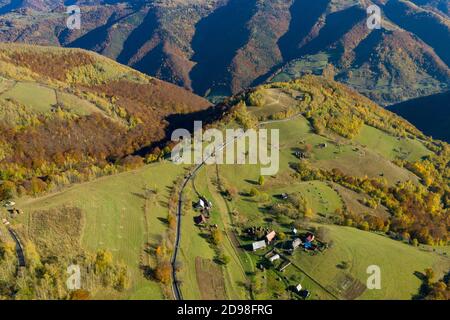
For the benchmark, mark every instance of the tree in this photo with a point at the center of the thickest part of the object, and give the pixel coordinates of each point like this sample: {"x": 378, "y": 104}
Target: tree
{"x": 232, "y": 192}
{"x": 364, "y": 226}
{"x": 216, "y": 236}
{"x": 7, "y": 190}
{"x": 7, "y": 250}
{"x": 171, "y": 221}
{"x": 224, "y": 259}
{"x": 163, "y": 271}
{"x": 309, "y": 214}
{"x": 261, "y": 180}
{"x": 80, "y": 294}
{"x": 429, "y": 274}
{"x": 253, "y": 192}
{"x": 103, "y": 261}
{"x": 282, "y": 236}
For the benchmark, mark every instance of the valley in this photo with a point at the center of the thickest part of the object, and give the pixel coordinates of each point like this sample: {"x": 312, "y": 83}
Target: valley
{"x": 98, "y": 203}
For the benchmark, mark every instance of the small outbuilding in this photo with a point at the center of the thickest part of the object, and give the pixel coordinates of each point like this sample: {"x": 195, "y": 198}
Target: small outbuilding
{"x": 274, "y": 258}
{"x": 309, "y": 237}
{"x": 298, "y": 288}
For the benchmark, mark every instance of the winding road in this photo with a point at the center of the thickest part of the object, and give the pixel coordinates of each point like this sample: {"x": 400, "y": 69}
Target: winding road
{"x": 175, "y": 283}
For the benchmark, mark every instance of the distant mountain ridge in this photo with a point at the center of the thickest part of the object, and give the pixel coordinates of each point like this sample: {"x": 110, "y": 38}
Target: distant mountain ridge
{"x": 219, "y": 47}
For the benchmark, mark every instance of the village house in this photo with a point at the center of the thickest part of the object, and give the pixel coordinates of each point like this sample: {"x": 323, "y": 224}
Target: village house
{"x": 308, "y": 241}
{"x": 296, "y": 243}
{"x": 270, "y": 236}
{"x": 258, "y": 245}
{"x": 200, "y": 204}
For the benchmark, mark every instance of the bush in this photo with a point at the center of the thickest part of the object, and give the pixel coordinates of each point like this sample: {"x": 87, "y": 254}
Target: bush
{"x": 253, "y": 192}
{"x": 163, "y": 272}
{"x": 216, "y": 236}
{"x": 261, "y": 180}
{"x": 256, "y": 98}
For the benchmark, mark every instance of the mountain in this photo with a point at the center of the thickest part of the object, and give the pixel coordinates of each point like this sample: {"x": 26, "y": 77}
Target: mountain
{"x": 431, "y": 114}
{"x": 68, "y": 114}
{"x": 219, "y": 47}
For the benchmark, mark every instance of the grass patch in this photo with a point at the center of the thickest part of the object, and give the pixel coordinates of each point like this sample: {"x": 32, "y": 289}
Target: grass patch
{"x": 57, "y": 231}
{"x": 390, "y": 146}
{"x": 398, "y": 262}
{"x": 37, "y": 97}
{"x": 210, "y": 279}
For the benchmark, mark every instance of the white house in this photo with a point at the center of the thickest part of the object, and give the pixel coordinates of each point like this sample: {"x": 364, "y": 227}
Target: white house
{"x": 299, "y": 288}
{"x": 258, "y": 245}
{"x": 10, "y": 203}
{"x": 296, "y": 243}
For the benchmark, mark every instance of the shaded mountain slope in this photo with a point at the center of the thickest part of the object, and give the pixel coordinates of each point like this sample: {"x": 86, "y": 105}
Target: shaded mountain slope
{"x": 431, "y": 114}
{"x": 219, "y": 47}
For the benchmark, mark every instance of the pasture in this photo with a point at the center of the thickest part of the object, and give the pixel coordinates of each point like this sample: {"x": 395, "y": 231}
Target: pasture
{"x": 115, "y": 218}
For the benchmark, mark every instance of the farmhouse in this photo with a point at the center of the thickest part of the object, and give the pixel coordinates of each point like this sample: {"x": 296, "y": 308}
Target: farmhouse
{"x": 301, "y": 155}
{"x": 298, "y": 288}
{"x": 206, "y": 203}
{"x": 270, "y": 236}
{"x": 258, "y": 245}
{"x": 201, "y": 204}
{"x": 10, "y": 203}
{"x": 309, "y": 237}
{"x": 296, "y": 243}
{"x": 308, "y": 241}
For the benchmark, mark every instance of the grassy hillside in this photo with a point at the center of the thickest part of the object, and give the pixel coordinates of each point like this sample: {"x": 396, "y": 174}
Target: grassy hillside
{"x": 369, "y": 184}
{"x": 344, "y": 193}
{"x": 69, "y": 115}
{"x": 119, "y": 217}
